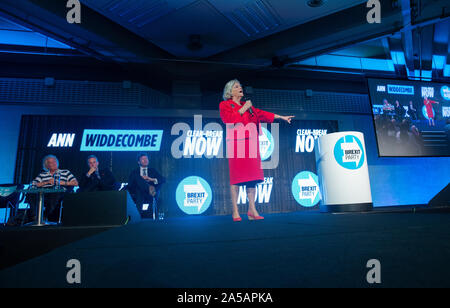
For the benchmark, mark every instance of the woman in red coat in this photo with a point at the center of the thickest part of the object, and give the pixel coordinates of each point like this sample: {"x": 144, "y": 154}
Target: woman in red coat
{"x": 243, "y": 124}
{"x": 430, "y": 112}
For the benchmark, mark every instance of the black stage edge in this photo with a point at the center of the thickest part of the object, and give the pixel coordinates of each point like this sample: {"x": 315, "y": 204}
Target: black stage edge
{"x": 442, "y": 198}
{"x": 411, "y": 208}
{"x": 337, "y": 208}
{"x": 18, "y": 244}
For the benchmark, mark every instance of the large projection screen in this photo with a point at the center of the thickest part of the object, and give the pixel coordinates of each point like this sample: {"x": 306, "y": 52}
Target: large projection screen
{"x": 411, "y": 118}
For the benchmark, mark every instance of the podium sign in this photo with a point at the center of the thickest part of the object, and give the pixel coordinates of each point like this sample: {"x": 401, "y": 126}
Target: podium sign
{"x": 343, "y": 172}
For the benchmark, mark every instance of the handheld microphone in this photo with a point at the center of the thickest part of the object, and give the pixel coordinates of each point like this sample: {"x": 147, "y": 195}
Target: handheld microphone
{"x": 246, "y": 98}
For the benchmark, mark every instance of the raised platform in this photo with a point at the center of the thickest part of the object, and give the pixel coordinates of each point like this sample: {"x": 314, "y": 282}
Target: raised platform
{"x": 18, "y": 244}
{"x": 303, "y": 249}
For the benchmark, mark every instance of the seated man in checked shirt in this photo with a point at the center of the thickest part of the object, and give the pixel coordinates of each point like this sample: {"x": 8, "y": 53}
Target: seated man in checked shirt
{"x": 46, "y": 179}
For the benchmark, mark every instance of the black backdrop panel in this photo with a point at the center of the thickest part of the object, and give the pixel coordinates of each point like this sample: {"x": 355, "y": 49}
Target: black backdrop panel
{"x": 36, "y": 132}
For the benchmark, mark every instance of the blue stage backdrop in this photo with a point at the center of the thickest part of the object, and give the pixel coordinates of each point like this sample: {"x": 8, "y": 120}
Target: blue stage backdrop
{"x": 188, "y": 152}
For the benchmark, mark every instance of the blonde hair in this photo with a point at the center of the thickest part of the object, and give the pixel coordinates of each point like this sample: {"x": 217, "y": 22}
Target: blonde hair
{"x": 228, "y": 87}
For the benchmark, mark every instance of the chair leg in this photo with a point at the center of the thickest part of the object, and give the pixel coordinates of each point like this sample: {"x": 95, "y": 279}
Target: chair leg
{"x": 60, "y": 214}
{"x": 24, "y": 215}
{"x": 6, "y": 211}
{"x": 154, "y": 209}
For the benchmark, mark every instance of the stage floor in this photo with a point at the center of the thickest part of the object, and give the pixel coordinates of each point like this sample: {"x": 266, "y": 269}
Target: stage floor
{"x": 300, "y": 249}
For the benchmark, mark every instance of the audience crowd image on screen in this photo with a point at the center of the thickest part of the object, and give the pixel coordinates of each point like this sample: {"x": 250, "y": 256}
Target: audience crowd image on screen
{"x": 400, "y": 126}
{"x": 396, "y": 132}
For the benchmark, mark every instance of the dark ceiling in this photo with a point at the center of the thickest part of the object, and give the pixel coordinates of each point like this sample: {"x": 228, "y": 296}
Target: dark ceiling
{"x": 157, "y": 42}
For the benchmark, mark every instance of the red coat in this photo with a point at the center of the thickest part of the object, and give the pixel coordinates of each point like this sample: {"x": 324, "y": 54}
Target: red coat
{"x": 243, "y": 141}
{"x": 429, "y": 107}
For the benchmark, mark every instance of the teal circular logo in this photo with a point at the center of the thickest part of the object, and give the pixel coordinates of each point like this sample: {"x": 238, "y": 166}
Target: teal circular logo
{"x": 349, "y": 152}
{"x": 193, "y": 195}
{"x": 266, "y": 144}
{"x": 305, "y": 188}
{"x": 445, "y": 92}
{"x": 425, "y": 113}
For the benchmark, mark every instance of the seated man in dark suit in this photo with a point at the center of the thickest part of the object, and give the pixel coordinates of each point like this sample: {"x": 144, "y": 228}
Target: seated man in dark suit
{"x": 96, "y": 179}
{"x": 144, "y": 183}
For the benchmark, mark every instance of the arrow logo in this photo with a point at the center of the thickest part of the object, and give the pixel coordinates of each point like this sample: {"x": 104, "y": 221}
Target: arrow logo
{"x": 352, "y": 152}
{"x": 195, "y": 195}
{"x": 264, "y": 144}
{"x": 308, "y": 189}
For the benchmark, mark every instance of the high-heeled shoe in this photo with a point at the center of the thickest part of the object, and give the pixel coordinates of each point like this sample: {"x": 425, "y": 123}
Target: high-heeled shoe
{"x": 237, "y": 219}
{"x": 253, "y": 217}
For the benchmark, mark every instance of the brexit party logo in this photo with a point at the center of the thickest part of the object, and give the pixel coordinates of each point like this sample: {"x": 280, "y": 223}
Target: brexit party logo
{"x": 305, "y": 189}
{"x": 266, "y": 144}
{"x": 305, "y": 139}
{"x": 121, "y": 140}
{"x": 425, "y": 113}
{"x": 262, "y": 193}
{"x": 349, "y": 152}
{"x": 193, "y": 195}
{"x": 445, "y": 93}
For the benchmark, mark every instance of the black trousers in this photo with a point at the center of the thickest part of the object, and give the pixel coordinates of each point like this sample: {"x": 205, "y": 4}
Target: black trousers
{"x": 142, "y": 198}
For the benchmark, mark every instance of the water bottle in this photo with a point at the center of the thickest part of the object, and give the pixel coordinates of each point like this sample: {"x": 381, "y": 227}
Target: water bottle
{"x": 57, "y": 178}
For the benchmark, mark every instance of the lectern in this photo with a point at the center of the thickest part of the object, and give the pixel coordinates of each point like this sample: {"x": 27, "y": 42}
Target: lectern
{"x": 343, "y": 173}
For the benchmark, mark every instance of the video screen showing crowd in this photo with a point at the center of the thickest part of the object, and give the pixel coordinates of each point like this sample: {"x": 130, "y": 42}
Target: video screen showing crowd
{"x": 144, "y": 184}
{"x": 411, "y": 118}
